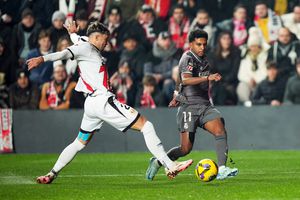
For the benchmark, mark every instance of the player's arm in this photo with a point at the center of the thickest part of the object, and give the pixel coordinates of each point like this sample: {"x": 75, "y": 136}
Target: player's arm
{"x": 62, "y": 55}
{"x": 188, "y": 79}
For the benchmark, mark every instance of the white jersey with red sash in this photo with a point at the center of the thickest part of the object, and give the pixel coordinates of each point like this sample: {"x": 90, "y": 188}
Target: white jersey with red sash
{"x": 100, "y": 105}
{"x": 93, "y": 72}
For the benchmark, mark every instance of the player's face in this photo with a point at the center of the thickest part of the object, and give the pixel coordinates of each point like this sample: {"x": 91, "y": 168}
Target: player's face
{"x": 198, "y": 46}
{"x": 101, "y": 41}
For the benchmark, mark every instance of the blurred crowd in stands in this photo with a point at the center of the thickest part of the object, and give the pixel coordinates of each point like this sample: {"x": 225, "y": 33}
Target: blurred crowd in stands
{"x": 253, "y": 44}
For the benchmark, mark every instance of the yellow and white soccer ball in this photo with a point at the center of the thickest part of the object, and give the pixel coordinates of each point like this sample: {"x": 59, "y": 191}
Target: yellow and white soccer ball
{"x": 206, "y": 170}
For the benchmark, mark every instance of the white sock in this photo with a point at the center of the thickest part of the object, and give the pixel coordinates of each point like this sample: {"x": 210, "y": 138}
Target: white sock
{"x": 154, "y": 145}
{"x": 67, "y": 155}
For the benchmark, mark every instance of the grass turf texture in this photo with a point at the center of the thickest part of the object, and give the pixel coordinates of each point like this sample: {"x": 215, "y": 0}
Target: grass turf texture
{"x": 263, "y": 175}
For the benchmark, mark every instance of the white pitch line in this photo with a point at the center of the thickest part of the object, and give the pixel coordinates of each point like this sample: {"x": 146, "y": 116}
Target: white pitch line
{"x": 29, "y": 178}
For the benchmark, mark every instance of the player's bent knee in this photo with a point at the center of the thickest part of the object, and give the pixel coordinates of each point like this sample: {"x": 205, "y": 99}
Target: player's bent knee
{"x": 78, "y": 144}
{"x": 84, "y": 137}
{"x": 140, "y": 123}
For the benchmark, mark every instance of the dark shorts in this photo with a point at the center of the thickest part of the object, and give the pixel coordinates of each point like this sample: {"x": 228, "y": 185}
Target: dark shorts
{"x": 190, "y": 117}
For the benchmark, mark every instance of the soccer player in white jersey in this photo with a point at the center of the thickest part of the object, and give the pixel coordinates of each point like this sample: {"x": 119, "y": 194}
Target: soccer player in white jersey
{"x": 101, "y": 105}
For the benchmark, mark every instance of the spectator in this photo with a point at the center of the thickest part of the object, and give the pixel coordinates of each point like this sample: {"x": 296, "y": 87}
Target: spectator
{"x": 225, "y": 59}
{"x": 170, "y": 86}
{"x": 42, "y": 9}
{"x": 70, "y": 7}
{"x": 96, "y": 9}
{"x": 219, "y": 10}
{"x": 123, "y": 85}
{"x": 203, "y": 21}
{"x": 23, "y": 94}
{"x": 71, "y": 65}
{"x": 56, "y": 93}
{"x": 4, "y": 102}
{"x": 190, "y": 7}
{"x": 8, "y": 17}
{"x": 82, "y": 22}
{"x": 271, "y": 90}
{"x": 267, "y": 21}
{"x": 292, "y": 89}
{"x": 161, "y": 8}
{"x": 25, "y": 36}
{"x": 113, "y": 58}
{"x": 7, "y": 65}
{"x": 284, "y": 52}
{"x": 292, "y": 21}
{"x": 129, "y": 8}
{"x": 149, "y": 96}
{"x": 279, "y": 6}
{"x": 43, "y": 73}
{"x": 135, "y": 54}
{"x": 146, "y": 26}
{"x": 57, "y": 29}
{"x": 163, "y": 57}
{"x": 252, "y": 68}
{"x": 116, "y": 26}
{"x": 179, "y": 25}
{"x": 238, "y": 25}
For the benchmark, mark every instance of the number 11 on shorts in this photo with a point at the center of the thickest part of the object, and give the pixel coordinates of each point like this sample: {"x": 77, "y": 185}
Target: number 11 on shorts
{"x": 187, "y": 114}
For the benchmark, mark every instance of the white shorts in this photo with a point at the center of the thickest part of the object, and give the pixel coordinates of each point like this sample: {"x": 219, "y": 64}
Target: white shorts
{"x": 101, "y": 108}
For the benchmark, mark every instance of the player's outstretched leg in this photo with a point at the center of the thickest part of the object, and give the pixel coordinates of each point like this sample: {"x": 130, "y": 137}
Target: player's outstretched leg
{"x": 187, "y": 140}
{"x": 216, "y": 127}
{"x": 66, "y": 157}
{"x": 156, "y": 148}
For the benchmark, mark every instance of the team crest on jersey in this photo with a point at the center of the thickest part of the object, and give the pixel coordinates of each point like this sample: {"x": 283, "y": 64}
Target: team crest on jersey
{"x": 186, "y": 126}
{"x": 190, "y": 66}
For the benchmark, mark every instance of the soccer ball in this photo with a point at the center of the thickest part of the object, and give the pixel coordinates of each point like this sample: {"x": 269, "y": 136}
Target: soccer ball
{"x": 206, "y": 170}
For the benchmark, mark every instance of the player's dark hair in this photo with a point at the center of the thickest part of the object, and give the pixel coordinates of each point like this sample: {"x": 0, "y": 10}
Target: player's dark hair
{"x": 97, "y": 27}
{"x": 197, "y": 33}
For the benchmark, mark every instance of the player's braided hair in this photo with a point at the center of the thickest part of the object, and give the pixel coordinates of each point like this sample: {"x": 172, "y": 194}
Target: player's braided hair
{"x": 97, "y": 27}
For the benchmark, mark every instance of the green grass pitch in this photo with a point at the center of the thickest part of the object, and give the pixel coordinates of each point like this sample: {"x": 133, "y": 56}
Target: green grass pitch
{"x": 267, "y": 175}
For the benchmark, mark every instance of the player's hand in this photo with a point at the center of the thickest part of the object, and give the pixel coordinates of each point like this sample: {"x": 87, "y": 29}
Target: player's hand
{"x": 214, "y": 77}
{"x": 34, "y": 62}
{"x": 173, "y": 102}
{"x": 71, "y": 27}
